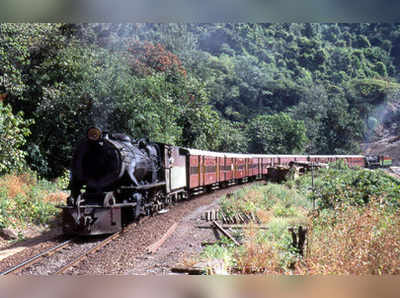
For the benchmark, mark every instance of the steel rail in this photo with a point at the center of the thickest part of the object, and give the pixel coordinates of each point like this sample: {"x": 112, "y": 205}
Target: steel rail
{"x": 36, "y": 257}
{"x": 88, "y": 252}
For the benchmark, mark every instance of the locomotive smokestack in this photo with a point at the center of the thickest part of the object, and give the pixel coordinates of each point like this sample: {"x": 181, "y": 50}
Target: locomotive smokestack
{"x": 94, "y": 134}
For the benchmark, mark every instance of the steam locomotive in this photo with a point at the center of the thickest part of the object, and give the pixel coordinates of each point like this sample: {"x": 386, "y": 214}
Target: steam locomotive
{"x": 115, "y": 179}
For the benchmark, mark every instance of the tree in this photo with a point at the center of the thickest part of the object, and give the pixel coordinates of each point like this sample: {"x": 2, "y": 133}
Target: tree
{"x": 341, "y": 129}
{"x": 233, "y": 137}
{"x": 147, "y": 58}
{"x": 276, "y": 134}
{"x": 18, "y": 51}
{"x": 77, "y": 88}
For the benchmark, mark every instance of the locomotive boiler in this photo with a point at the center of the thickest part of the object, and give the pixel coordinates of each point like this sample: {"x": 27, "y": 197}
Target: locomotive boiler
{"x": 114, "y": 179}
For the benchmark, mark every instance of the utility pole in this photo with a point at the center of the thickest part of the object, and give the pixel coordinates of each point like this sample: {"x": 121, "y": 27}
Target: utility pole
{"x": 312, "y": 183}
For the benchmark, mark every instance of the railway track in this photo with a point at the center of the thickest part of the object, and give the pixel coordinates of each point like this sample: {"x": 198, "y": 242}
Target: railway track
{"x": 32, "y": 260}
{"x": 82, "y": 256}
{"x": 40, "y": 257}
{"x": 60, "y": 258}
{"x": 27, "y": 265}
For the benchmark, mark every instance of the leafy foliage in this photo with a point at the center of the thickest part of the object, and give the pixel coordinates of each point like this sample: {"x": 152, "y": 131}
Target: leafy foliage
{"x": 277, "y": 133}
{"x": 148, "y": 58}
{"x": 13, "y": 132}
{"x": 340, "y": 186}
{"x": 25, "y": 199}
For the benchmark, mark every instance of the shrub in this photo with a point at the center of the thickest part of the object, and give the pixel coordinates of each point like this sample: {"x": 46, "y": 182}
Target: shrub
{"x": 13, "y": 130}
{"x": 25, "y": 199}
{"x": 340, "y": 185}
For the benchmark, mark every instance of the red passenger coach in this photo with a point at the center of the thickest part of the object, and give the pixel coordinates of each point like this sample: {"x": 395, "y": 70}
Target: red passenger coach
{"x": 205, "y": 168}
{"x": 254, "y": 166}
{"x": 210, "y": 170}
{"x": 353, "y": 160}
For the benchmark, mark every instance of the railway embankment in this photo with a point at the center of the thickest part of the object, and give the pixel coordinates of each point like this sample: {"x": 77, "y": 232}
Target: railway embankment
{"x": 129, "y": 253}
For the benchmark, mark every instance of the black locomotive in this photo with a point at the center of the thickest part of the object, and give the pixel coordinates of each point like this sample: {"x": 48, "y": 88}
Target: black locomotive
{"x": 113, "y": 179}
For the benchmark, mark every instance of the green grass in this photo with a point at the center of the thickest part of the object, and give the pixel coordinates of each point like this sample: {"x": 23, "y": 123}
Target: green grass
{"x": 265, "y": 197}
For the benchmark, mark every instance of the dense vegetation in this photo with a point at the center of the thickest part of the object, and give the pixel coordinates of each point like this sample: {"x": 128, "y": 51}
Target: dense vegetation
{"x": 353, "y": 230}
{"x": 26, "y": 200}
{"x": 273, "y": 88}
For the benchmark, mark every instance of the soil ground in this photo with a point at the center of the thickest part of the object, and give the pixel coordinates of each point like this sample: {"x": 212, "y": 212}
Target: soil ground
{"x": 180, "y": 247}
{"x": 128, "y": 255}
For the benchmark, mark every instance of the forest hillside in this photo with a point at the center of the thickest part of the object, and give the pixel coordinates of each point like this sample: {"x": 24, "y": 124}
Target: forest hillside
{"x": 260, "y": 88}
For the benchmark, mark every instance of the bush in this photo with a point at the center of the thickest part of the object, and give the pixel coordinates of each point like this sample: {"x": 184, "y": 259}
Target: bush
{"x": 25, "y": 199}
{"x": 13, "y": 131}
{"x": 340, "y": 185}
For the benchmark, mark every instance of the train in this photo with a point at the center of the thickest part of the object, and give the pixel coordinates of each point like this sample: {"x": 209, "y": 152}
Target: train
{"x": 116, "y": 179}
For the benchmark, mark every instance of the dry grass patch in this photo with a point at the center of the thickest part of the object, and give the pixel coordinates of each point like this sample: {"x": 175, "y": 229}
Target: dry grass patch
{"x": 354, "y": 241}
{"x": 26, "y": 200}
{"x": 13, "y": 185}
{"x": 257, "y": 256}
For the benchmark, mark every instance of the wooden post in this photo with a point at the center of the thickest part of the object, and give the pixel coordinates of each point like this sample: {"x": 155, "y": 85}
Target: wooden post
{"x": 226, "y": 233}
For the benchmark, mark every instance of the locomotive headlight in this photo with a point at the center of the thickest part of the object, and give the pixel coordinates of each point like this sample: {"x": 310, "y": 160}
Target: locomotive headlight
{"x": 94, "y": 134}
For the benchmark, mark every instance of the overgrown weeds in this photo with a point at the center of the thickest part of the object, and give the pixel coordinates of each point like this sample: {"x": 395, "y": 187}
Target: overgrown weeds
{"x": 26, "y": 199}
{"x": 339, "y": 185}
{"x": 354, "y": 240}
{"x": 264, "y": 200}
{"x": 262, "y": 250}
{"x": 355, "y": 229}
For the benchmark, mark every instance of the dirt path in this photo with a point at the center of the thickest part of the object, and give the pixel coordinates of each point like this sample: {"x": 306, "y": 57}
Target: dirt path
{"x": 184, "y": 243}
